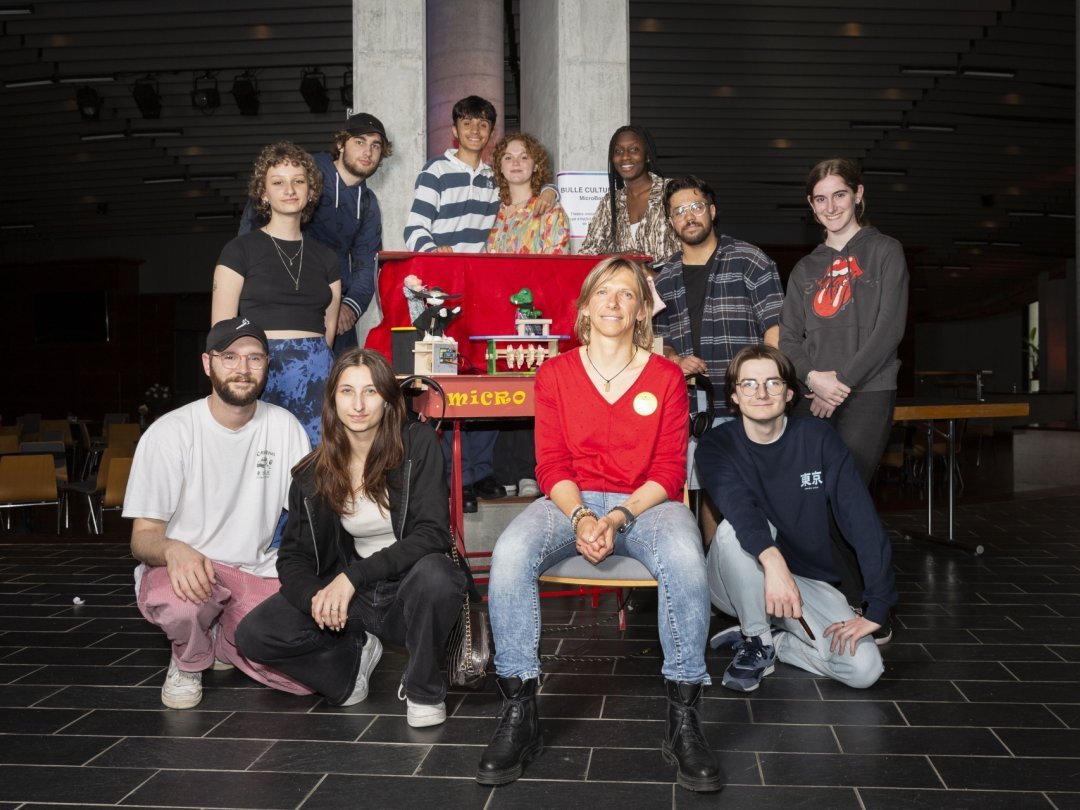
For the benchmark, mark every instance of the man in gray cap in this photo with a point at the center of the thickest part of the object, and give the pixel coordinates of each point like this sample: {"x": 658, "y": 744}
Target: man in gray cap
{"x": 348, "y": 219}
{"x": 207, "y": 485}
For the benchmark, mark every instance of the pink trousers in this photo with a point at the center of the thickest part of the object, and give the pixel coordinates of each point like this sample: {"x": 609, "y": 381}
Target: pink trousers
{"x": 201, "y": 633}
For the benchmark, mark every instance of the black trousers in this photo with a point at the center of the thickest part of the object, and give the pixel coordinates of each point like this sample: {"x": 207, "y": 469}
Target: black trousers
{"x": 417, "y": 612}
{"x": 863, "y": 422}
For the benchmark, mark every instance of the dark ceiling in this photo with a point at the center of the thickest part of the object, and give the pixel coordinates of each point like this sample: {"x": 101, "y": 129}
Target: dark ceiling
{"x": 961, "y": 112}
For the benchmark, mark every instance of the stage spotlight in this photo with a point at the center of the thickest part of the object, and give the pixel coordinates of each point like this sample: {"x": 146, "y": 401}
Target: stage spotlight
{"x": 145, "y": 93}
{"x": 89, "y": 103}
{"x": 313, "y": 89}
{"x": 245, "y": 92}
{"x": 204, "y": 94}
{"x": 346, "y": 90}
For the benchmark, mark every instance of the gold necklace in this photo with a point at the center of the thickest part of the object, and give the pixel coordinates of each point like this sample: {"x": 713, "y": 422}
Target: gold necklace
{"x": 607, "y": 380}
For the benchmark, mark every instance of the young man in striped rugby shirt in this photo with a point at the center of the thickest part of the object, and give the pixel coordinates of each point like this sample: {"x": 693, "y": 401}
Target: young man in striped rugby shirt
{"x": 454, "y": 207}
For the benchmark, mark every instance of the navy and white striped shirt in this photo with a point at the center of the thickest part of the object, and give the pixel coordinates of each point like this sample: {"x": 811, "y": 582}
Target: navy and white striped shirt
{"x": 455, "y": 205}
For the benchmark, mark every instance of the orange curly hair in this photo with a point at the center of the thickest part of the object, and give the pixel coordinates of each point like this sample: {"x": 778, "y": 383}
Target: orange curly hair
{"x": 541, "y": 173}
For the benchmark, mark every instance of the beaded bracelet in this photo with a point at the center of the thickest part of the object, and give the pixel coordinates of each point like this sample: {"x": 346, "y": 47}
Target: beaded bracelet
{"x": 577, "y": 515}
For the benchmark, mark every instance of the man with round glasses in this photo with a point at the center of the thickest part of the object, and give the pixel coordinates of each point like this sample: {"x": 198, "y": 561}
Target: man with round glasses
{"x": 207, "y": 485}
{"x": 720, "y": 294}
{"x": 776, "y": 477}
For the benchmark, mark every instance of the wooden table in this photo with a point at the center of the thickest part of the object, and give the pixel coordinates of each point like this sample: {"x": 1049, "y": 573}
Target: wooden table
{"x": 930, "y": 411}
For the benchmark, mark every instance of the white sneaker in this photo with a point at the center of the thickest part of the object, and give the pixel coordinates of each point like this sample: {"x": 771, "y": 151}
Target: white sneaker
{"x": 528, "y": 488}
{"x": 219, "y": 665}
{"x": 368, "y": 659}
{"x": 181, "y": 690}
{"x": 420, "y": 715}
{"x": 511, "y": 489}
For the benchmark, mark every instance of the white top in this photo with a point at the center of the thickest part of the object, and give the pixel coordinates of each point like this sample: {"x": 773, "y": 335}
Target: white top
{"x": 221, "y": 491}
{"x": 369, "y": 526}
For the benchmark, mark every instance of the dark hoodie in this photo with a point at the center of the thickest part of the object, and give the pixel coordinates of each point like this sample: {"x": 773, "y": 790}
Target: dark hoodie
{"x": 845, "y": 311}
{"x": 315, "y": 547}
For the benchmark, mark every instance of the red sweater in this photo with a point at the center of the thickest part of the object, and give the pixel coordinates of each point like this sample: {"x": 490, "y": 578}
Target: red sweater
{"x": 611, "y": 448}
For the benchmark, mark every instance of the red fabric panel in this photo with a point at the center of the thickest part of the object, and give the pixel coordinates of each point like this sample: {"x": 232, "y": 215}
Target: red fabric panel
{"x": 486, "y": 281}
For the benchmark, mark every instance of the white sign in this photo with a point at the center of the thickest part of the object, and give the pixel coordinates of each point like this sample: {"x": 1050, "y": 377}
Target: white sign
{"x": 580, "y": 194}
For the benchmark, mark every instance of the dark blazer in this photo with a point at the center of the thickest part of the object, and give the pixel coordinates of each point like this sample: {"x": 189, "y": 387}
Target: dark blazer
{"x": 315, "y": 547}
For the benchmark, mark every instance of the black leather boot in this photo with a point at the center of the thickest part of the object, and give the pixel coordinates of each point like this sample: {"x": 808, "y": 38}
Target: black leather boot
{"x": 685, "y": 745}
{"x": 517, "y": 739}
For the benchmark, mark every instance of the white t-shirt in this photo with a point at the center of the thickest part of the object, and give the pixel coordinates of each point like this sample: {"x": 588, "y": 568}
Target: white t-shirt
{"x": 369, "y": 526}
{"x": 221, "y": 491}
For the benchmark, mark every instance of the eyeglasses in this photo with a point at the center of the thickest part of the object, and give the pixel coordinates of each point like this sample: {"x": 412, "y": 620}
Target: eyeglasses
{"x": 231, "y": 360}
{"x": 696, "y": 207}
{"x": 774, "y": 387}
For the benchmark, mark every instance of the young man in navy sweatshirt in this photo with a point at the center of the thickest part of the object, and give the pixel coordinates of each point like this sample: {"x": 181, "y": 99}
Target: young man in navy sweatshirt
{"x": 775, "y": 477}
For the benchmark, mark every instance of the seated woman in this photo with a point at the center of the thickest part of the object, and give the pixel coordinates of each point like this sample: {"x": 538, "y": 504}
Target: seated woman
{"x": 363, "y": 555}
{"x": 288, "y": 285}
{"x": 521, "y": 167}
{"x": 631, "y": 216}
{"x": 611, "y": 438}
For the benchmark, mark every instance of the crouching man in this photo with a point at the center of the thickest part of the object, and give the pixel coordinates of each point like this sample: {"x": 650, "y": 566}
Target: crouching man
{"x": 207, "y": 485}
{"x": 775, "y": 476}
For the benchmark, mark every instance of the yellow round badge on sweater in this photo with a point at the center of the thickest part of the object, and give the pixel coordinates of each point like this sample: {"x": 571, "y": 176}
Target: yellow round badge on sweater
{"x": 645, "y": 404}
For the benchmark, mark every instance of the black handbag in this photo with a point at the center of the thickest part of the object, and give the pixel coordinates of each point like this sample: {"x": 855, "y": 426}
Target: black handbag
{"x": 468, "y": 648}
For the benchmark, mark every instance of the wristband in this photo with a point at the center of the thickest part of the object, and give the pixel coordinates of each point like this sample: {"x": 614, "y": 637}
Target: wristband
{"x": 629, "y": 522}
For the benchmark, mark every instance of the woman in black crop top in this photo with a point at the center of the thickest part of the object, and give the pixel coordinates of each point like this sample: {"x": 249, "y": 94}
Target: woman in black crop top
{"x": 287, "y": 284}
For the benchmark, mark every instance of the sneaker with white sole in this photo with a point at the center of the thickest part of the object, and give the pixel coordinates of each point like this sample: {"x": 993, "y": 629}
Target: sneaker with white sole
{"x": 181, "y": 690}
{"x": 528, "y": 488}
{"x": 752, "y": 662}
{"x": 422, "y": 715}
{"x": 219, "y": 664}
{"x": 368, "y": 659}
{"x": 726, "y": 638}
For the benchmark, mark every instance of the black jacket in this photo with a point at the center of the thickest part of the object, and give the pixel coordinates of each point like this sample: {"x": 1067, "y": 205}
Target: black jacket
{"x": 315, "y": 547}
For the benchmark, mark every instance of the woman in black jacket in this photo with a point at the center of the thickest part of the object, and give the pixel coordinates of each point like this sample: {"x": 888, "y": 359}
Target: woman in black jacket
{"x": 363, "y": 555}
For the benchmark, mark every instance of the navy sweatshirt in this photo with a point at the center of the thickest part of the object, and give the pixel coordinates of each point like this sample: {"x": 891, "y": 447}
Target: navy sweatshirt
{"x": 792, "y": 483}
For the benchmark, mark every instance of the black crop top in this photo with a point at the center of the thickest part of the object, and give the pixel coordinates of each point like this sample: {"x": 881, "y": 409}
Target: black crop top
{"x": 269, "y": 296}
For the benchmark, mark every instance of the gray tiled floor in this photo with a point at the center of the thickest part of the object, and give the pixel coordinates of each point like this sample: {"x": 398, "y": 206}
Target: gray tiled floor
{"x": 979, "y": 705}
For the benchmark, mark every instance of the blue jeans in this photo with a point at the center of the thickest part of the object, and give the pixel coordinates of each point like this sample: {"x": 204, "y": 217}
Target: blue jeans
{"x": 664, "y": 539}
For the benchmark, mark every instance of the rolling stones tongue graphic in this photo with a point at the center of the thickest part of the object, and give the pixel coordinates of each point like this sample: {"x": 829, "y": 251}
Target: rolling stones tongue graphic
{"x": 834, "y": 288}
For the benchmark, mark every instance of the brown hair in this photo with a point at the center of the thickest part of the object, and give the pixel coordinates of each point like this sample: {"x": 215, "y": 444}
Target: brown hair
{"x": 340, "y": 138}
{"x": 331, "y": 457}
{"x": 847, "y": 171}
{"x": 760, "y": 352}
{"x": 274, "y": 155}
{"x": 643, "y": 334}
{"x": 541, "y": 170}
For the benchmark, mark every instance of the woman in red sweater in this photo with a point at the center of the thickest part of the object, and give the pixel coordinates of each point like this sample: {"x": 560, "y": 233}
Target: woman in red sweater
{"x": 611, "y": 432}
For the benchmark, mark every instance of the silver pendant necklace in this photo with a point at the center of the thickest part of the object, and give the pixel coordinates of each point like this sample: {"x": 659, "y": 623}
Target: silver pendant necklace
{"x": 287, "y": 261}
{"x": 607, "y": 380}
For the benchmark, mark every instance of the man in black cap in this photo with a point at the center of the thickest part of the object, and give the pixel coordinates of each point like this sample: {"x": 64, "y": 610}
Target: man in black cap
{"x": 207, "y": 485}
{"x": 348, "y": 219}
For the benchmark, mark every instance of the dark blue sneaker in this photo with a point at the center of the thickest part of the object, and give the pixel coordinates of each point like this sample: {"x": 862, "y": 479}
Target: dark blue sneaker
{"x": 752, "y": 662}
{"x": 729, "y": 637}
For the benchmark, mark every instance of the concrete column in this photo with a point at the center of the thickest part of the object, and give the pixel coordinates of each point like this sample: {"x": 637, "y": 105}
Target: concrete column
{"x": 575, "y": 77}
{"x": 390, "y": 82}
{"x": 465, "y": 58}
